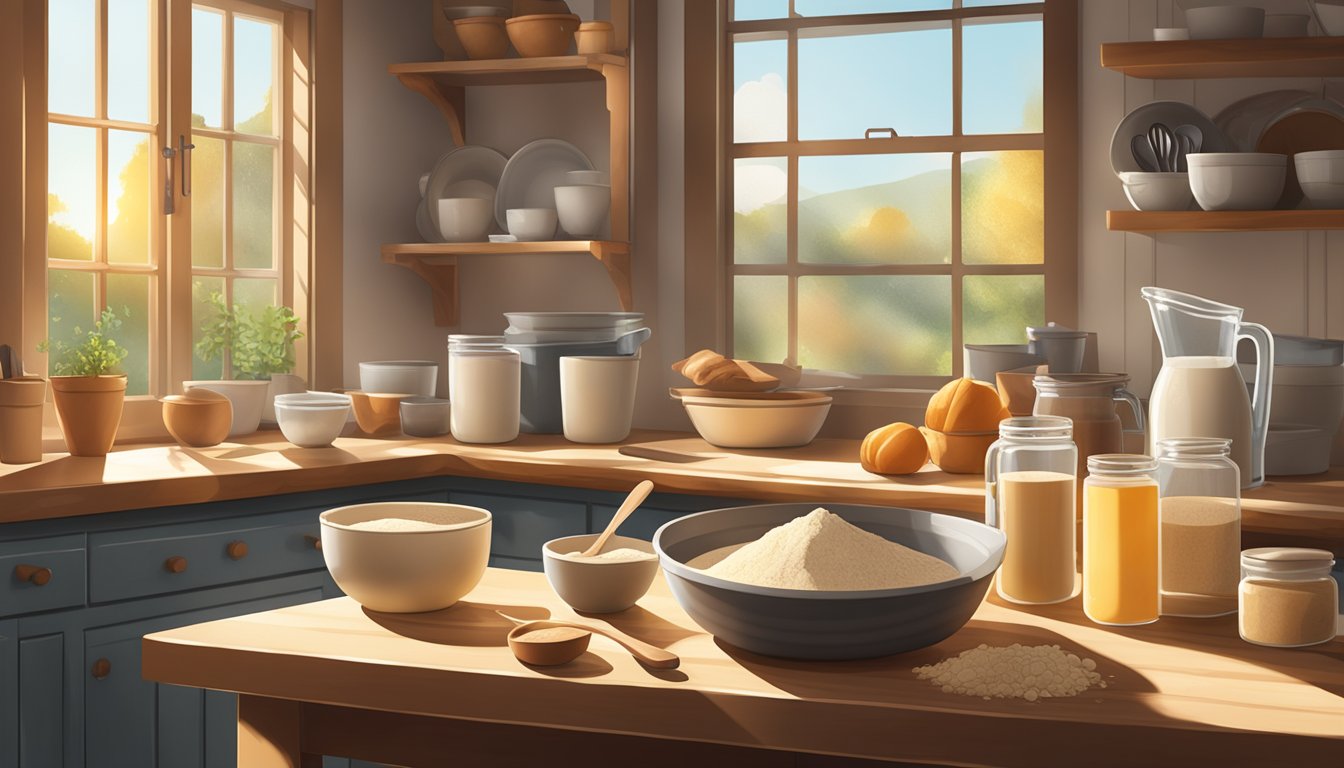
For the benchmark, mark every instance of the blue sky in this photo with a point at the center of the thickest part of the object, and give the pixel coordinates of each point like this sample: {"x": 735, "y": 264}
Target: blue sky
{"x": 71, "y": 172}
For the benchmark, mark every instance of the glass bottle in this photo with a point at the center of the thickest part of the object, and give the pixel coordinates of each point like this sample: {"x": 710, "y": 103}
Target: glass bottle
{"x": 1121, "y": 562}
{"x": 484, "y": 384}
{"x": 1200, "y": 510}
{"x": 1287, "y": 597}
{"x": 1030, "y": 476}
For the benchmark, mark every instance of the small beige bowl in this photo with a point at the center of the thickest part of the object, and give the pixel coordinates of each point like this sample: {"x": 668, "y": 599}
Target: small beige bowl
{"x": 199, "y": 418}
{"x": 592, "y": 585}
{"x": 376, "y": 413}
{"x": 406, "y": 571}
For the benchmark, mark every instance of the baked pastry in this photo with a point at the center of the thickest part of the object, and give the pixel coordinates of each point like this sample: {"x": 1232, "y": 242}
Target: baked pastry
{"x": 710, "y": 370}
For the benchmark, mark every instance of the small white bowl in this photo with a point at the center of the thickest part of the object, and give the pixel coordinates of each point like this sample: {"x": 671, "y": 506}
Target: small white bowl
{"x": 312, "y": 425}
{"x": 406, "y": 571}
{"x": 465, "y": 219}
{"x": 598, "y": 178}
{"x": 593, "y": 585}
{"x": 1171, "y": 33}
{"x": 425, "y": 416}
{"x": 1297, "y": 449}
{"x": 314, "y": 399}
{"x": 399, "y": 377}
{"x": 1157, "y": 191}
{"x": 1286, "y": 24}
{"x": 582, "y": 208}
{"x": 1232, "y": 181}
{"x": 247, "y": 397}
{"x": 1320, "y": 174}
{"x": 529, "y": 224}
{"x": 1225, "y": 22}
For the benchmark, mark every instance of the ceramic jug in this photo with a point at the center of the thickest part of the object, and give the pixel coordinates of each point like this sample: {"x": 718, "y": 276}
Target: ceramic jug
{"x": 1089, "y": 400}
{"x": 1199, "y": 392}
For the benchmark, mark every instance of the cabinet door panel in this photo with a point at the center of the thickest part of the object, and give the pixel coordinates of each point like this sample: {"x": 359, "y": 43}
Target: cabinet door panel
{"x": 522, "y": 525}
{"x": 181, "y": 726}
{"x": 118, "y": 706}
{"x": 9, "y": 694}
{"x": 42, "y": 691}
{"x": 221, "y": 730}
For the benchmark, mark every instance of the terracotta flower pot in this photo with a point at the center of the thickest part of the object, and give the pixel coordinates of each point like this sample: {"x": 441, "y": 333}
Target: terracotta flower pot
{"x": 89, "y": 409}
{"x": 21, "y": 419}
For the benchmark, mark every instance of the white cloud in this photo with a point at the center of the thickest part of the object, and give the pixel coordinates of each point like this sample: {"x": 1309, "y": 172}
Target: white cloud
{"x": 760, "y": 110}
{"x": 757, "y": 184}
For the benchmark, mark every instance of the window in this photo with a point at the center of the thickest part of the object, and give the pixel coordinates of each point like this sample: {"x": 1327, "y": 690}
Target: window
{"x": 164, "y": 189}
{"x": 885, "y": 163}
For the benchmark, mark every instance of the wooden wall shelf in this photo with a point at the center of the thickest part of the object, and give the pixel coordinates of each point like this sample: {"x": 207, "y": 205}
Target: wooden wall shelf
{"x": 436, "y": 264}
{"x": 1222, "y": 221}
{"x": 1269, "y": 57}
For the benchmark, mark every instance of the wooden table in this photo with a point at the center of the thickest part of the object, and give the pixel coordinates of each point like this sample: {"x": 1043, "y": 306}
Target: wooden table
{"x": 442, "y": 688}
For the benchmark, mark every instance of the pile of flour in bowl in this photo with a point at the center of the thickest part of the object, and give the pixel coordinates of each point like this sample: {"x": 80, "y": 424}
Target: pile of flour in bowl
{"x": 821, "y": 551}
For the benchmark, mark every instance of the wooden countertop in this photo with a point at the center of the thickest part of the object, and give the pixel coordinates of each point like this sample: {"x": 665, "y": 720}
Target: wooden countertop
{"x": 1179, "y": 691}
{"x": 138, "y": 477}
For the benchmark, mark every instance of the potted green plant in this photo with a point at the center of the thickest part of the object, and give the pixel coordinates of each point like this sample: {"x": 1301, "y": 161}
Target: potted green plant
{"x": 257, "y": 346}
{"x": 88, "y": 386}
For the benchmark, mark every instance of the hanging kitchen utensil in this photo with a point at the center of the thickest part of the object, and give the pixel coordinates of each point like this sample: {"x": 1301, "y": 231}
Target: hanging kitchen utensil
{"x": 1143, "y": 154}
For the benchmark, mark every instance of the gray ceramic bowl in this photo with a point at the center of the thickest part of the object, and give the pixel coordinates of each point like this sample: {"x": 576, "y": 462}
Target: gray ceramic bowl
{"x": 802, "y": 624}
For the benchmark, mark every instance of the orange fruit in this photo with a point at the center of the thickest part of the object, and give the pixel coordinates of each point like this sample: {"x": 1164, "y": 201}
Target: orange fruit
{"x": 896, "y": 449}
{"x": 965, "y": 405}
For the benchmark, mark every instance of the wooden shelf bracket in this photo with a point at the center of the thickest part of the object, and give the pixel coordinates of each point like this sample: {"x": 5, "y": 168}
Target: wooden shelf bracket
{"x": 440, "y": 272}
{"x": 451, "y": 101}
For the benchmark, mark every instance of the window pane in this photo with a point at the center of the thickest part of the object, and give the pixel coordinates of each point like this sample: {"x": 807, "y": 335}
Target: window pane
{"x": 207, "y": 203}
{"x": 996, "y": 309}
{"x": 875, "y": 324}
{"x": 760, "y": 89}
{"x": 1003, "y": 207}
{"x": 202, "y": 312}
{"x": 846, "y": 7}
{"x": 891, "y": 76}
{"x": 760, "y": 186}
{"x": 71, "y": 302}
{"x": 253, "y": 210}
{"x": 207, "y": 68}
{"x": 745, "y": 10}
{"x": 72, "y": 205}
{"x": 875, "y": 209}
{"x": 128, "y": 60}
{"x": 70, "y": 50}
{"x": 1001, "y": 78}
{"x": 253, "y": 75}
{"x": 760, "y": 317}
{"x": 129, "y": 203}
{"x": 128, "y": 296}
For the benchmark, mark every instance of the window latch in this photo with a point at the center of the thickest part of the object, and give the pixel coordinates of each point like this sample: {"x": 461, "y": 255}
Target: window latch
{"x": 168, "y": 207}
{"x": 890, "y": 133}
{"x": 184, "y": 149}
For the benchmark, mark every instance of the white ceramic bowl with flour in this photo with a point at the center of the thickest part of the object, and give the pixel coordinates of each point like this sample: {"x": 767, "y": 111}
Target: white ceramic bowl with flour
{"x": 813, "y": 624}
{"x": 606, "y": 583}
{"x": 406, "y": 556}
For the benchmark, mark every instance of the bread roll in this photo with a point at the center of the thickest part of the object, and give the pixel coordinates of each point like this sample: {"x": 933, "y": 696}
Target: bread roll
{"x": 710, "y": 370}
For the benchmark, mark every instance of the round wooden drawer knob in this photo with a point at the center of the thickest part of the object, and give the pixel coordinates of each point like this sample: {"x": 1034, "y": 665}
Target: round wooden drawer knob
{"x": 33, "y": 574}
{"x": 175, "y": 564}
{"x": 236, "y": 550}
{"x": 101, "y": 669}
{"x": 315, "y": 541}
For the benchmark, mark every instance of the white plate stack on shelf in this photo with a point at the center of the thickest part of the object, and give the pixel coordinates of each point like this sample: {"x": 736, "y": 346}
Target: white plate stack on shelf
{"x": 457, "y": 197}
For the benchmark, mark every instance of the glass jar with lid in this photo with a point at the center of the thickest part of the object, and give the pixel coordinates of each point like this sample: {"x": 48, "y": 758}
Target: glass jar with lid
{"x": 1121, "y": 563}
{"x": 484, "y": 386}
{"x": 1030, "y": 476}
{"x": 1287, "y": 597}
{"x": 1200, "y": 512}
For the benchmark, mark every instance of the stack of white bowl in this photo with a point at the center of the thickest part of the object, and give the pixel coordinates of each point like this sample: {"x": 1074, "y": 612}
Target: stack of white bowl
{"x": 584, "y": 203}
{"x": 312, "y": 419}
{"x": 1306, "y": 409}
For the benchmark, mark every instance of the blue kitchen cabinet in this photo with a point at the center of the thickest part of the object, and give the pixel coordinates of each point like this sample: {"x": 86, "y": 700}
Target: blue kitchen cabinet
{"x": 9, "y": 694}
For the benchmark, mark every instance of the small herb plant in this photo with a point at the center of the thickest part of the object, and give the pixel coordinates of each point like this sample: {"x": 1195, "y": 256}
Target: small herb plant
{"x": 258, "y": 342}
{"x": 95, "y": 353}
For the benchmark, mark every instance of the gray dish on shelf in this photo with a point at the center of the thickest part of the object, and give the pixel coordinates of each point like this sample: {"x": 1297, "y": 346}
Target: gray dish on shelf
{"x": 802, "y": 624}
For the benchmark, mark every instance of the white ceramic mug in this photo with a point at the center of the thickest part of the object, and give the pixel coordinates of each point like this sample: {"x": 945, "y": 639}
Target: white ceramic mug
{"x": 597, "y": 397}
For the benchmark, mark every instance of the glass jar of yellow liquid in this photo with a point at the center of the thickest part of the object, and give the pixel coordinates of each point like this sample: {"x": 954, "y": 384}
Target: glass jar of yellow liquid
{"x": 1121, "y": 552}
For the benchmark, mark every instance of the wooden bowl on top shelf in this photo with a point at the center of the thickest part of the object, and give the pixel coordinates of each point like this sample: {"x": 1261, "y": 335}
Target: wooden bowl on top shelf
{"x": 542, "y": 34}
{"x": 482, "y": 37}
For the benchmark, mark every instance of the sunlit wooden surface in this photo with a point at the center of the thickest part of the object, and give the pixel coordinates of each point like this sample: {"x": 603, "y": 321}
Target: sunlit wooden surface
{"x": 1180, "y": 691}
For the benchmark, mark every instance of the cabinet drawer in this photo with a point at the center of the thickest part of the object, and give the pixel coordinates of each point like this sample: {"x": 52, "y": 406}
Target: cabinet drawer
{"x": 41, "y": 575}
{"x": 150, "y": 561}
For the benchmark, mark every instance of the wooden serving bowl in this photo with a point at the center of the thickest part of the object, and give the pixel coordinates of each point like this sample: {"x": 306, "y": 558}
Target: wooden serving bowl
{"x": 198, "y": 418}
{"x": 542, "y": 34}
{"x": 377, "y": 413}
{"x": 482, "y": 37}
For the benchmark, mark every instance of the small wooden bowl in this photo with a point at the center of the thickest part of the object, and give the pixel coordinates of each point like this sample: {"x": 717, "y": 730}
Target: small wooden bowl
{"x": 548, "y": 653}
{"x": 960, "y": 453}
{"x": 542, "y": 34}
{"x": 198, "y": 418}
{"x": 377, "y": 413}
{"x": 595, "y": 37}
{"x": 482, "y": 37}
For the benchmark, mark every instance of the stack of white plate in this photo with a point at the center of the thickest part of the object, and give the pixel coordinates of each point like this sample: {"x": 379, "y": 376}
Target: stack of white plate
{"x": 464, "y": 172}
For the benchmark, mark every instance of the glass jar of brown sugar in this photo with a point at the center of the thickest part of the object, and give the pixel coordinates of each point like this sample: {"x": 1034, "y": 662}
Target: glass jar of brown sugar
{"x": 1287, "y": 597}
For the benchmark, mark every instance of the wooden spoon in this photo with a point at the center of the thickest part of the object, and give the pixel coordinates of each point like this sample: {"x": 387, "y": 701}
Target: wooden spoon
{"x": 631, "y": 503}
{"x": 553, "y": 648}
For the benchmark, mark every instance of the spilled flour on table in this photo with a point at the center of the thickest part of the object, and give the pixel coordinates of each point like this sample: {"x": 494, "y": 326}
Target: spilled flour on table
{"x": 1017, "y": 671}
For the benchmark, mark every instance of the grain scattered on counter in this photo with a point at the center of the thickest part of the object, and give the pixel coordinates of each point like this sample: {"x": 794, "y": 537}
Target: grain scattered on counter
{"x": 1017, "y": 671}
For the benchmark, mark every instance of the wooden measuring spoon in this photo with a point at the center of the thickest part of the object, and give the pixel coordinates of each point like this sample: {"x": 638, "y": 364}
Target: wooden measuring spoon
{"x": 631, "y": 503}
{"x": 552, "y": 648}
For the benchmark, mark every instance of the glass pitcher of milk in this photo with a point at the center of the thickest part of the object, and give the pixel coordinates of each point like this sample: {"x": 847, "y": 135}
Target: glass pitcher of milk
{"x": 1199, "y": 391}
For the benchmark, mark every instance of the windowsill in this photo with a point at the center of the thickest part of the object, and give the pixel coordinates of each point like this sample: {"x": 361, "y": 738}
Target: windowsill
{"x": 1305, "y": 511}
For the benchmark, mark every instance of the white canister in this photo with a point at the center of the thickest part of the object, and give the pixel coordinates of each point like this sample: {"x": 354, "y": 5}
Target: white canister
{"x": 485, "y": 385}
{"x": 597, "y": 397}
{"x": 468, "y": 341}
